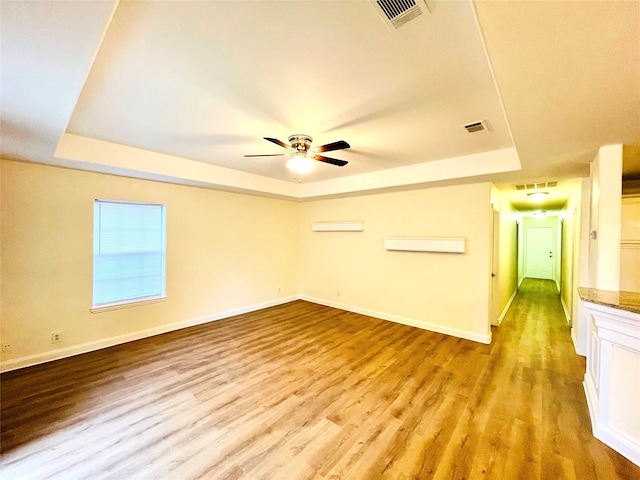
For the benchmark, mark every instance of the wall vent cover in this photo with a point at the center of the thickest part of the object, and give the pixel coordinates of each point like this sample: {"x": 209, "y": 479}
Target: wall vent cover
{"x": 479, "y": 126}
{"x": 399, "y": 12}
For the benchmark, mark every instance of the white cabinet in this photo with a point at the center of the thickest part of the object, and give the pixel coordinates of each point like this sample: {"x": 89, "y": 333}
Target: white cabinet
{"x": 612, "y": 379}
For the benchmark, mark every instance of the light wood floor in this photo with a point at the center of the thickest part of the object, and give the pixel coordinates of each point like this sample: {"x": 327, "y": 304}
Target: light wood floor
{"x": 304, "y": 391}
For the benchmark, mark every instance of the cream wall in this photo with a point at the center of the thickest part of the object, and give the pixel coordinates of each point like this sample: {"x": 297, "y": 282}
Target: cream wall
{"x": 579, "y": 327}
{"x": 438, "y": 291}
{"x": 226, "y": 253}
{"x": 630, "y": 244}
{"x": 520, "y": 251}
{"x": 1, "y": 336}
{"x": 606, "y": 192}
{"x": 570, "y": 217}
{"x": 558, "y": 257}
{"x": 507, "y": 274}
{"x": 566, "y": 258}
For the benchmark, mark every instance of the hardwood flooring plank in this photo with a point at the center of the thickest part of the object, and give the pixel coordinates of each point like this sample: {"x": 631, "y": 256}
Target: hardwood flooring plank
{"x": 303, "y": 391}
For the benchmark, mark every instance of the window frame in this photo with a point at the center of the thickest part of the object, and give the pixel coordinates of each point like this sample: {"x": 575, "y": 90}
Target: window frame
{"x": 134, "y": 300}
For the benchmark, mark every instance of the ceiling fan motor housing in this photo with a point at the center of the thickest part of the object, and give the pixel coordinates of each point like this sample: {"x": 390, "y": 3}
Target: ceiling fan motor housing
{"x": 300, "y": 142}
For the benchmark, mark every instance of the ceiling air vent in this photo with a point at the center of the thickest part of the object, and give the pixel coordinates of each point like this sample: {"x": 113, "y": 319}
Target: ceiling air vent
{"x": 399, "y": 12}
{"x": 480, "y": 126}
{"x": 536, "y": 186}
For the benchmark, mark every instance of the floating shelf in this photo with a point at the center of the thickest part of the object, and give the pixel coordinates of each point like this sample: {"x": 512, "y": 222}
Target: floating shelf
{"x": 441, "y": 245}
{"x": 337, "y": 226}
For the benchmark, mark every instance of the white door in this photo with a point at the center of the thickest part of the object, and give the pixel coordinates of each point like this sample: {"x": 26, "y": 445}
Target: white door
{"x": 539, "y": 253}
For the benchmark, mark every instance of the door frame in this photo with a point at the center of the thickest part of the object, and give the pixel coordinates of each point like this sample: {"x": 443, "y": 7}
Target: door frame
{"x": 494, "y": 266}
{"x": 549, "y": 221}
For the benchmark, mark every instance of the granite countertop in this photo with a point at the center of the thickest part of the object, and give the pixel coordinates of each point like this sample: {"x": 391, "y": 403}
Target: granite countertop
{"x": 629, "y": 301}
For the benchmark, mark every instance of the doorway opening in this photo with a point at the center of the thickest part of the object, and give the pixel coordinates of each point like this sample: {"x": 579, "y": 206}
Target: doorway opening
{"x": 539, "y": 249}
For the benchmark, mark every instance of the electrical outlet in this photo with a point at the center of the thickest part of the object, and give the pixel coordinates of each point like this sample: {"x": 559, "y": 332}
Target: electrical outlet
{"x": 338, "y": 292}
{"x": 56, "y": 337}
{"x": 279, "y": 289}
{"x": 6, "y": 346}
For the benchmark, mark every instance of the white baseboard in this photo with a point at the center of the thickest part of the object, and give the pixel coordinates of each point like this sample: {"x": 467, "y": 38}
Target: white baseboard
{"x": 574, "y": 339}
{"x": 403, "y": 320}
{"x": 506, "y": 308}
{"x": 620, "y": 442}
{"x": 567, "y": 315}
{"x": 86, "y": 347}
{"x": 557, "y": 285}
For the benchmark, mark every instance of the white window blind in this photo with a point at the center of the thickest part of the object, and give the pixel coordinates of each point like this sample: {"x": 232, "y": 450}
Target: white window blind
{"x": 128, "y": 252}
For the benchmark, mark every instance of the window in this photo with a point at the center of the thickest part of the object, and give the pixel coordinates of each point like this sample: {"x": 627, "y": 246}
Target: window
{"x": 128, "y": 252}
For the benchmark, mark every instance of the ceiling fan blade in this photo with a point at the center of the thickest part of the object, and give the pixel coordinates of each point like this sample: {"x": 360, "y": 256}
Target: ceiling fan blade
{"x": 332, "y": 161}
{"x": 278, "y": 142}
{"x": 268, "y": 155}
{"x": 339, "y": 145}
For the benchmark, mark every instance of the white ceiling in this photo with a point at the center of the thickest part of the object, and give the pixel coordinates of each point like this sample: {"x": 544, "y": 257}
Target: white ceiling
{"x": 180, "y": 91}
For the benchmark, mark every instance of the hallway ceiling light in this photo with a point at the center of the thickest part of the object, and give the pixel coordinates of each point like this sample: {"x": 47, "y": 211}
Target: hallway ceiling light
{"x": 537, "y": 196}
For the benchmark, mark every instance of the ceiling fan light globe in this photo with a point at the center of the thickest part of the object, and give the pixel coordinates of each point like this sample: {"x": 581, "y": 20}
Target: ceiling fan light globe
{"x": 300, "y": 164}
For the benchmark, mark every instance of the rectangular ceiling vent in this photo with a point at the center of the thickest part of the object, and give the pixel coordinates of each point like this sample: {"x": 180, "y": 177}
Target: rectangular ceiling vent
{"x": 480, "y": 126}
{"x": 399, "y": 12}
{"x": 536, "y": 186}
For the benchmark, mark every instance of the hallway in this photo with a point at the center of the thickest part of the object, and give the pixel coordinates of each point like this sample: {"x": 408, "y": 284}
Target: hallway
{"x": 536, "y": 369}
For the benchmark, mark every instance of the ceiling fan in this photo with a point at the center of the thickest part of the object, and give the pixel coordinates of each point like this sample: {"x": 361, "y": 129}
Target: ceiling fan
{"x": 303, "y": 155}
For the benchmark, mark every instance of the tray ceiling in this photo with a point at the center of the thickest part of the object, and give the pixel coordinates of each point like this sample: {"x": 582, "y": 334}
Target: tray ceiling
{"x": 181, "y": 91}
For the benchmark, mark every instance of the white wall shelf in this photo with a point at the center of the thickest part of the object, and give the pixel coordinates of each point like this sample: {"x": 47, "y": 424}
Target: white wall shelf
{"x": 352, "y": 226}
{"x": 439, "y": 245}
